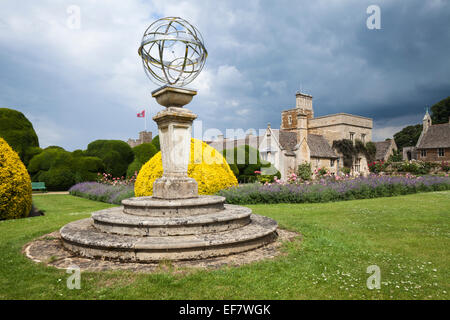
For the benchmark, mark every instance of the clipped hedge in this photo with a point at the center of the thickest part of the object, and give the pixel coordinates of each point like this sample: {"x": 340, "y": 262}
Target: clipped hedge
{"x": 207, "y": 167}
{"x": 155, "y": 142}
{"x": 60, "y": 169}
{"x": 115, "y": 154}
{"x": 142, "y": 153}
{"x": 15, "y": 184}
{"x": 19, "y": 133}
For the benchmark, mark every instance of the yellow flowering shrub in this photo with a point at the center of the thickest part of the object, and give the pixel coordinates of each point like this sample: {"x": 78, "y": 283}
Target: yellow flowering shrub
{"x": 15, "y": 184}
{"x": 206, "y": 166}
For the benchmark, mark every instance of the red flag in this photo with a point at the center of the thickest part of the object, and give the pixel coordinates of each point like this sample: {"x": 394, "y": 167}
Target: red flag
{"x": 141, "y": 114}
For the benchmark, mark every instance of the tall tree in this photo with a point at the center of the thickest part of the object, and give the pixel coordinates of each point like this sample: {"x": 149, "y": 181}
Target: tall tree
{"x": 408, "y": 136}
{"x": 440, "y": 112}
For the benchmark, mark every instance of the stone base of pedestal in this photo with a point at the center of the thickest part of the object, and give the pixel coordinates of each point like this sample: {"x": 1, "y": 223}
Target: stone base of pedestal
{"x": 175, "y": 188}
{"x": 205, "y": 228}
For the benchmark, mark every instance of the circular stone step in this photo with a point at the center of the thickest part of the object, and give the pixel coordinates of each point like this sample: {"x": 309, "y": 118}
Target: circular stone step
{"x": 84, "y": 239}
{"x": 154, "y": 207}
{"x": 113, "y": 220}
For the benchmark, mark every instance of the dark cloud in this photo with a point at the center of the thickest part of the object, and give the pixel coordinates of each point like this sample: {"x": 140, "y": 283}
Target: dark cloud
{"x": 86, "y": 85}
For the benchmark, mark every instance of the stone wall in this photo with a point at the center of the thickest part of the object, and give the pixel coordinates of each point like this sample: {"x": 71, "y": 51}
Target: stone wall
{"x": 432, "y": 155}
{"x": 339, "y": 126}
{"x": 144, "y": 137}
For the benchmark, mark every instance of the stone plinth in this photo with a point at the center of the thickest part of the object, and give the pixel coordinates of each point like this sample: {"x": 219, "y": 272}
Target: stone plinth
{"x": 218, "y": 230}
{"x": 175, "y": 126}
{"x": 175, "y": 223}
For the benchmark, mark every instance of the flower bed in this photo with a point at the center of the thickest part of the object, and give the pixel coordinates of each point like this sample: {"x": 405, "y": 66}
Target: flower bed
{"x": 110, "y": 193}
{"x": 326, "y": 190}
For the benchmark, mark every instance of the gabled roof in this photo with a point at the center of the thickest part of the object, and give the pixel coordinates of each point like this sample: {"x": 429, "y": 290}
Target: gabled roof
{"x": 286, "y": 139}
{"x": 319, "y": 147}
{"x": 382, "y": 149}
{"x": 437, "y": 136}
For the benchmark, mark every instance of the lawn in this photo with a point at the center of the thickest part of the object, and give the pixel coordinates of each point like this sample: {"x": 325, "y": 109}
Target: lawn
{"x": 406, "y": 236}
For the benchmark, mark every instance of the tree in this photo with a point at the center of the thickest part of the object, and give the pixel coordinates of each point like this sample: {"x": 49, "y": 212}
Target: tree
{"x": 440, "y": 112}
{"x": 408, "y": 136}
{"x": 244, "y": 160}
{"x": 19, "y": 133}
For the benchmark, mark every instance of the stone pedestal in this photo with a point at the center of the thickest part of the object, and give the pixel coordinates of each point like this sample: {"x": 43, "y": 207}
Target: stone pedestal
{"x": 175, "y": 126}
{"x": 175, "y": 223}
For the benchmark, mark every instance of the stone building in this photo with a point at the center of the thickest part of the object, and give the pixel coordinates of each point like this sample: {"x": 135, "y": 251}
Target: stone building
{"x": 144, "y": 137}
{"x": 385, "y": 149}
{"x": 434, "y": 141}
{"x": 305, "y": 138}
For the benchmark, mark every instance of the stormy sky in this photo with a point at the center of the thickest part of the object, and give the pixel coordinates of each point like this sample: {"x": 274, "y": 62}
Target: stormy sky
{"x": 82, "y": 80}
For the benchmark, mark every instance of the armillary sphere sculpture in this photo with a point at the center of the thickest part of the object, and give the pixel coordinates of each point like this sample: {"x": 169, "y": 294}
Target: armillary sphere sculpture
{"x": 172, "y": 52}
{"x": 176, "y": 222}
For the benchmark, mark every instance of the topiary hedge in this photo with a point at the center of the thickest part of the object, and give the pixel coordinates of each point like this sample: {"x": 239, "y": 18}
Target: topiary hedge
{"x": 60, "y": 169}
{"x": 15, "y": 184}
{"x": 142, "y": 153}
{"x": 19, "y": 133}
{"x": 208, "y": 168}
{"x": 155, "y": 142}
{"x": 116, "y": 155}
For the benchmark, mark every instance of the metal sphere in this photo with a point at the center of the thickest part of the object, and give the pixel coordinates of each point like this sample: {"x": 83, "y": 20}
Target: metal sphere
{"x": 172, "y": 52}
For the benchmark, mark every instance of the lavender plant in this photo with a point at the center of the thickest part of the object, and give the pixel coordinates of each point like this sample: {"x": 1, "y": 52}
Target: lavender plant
{"x": 326, "y": 190}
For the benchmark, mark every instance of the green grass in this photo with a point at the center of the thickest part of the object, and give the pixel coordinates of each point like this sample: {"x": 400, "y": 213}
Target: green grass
{"x": 407, "y": 237}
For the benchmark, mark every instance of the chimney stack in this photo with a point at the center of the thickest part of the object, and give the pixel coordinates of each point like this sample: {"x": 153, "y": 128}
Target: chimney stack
{"x": 303, "y": 102}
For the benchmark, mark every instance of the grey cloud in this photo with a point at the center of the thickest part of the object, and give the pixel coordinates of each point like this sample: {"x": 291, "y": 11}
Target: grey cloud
{"x": 260, "y": 53}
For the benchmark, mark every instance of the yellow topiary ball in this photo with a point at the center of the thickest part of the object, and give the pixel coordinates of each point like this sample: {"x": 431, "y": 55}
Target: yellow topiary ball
{"x": 15, "y": 184}
{"x": 206, "y": 166}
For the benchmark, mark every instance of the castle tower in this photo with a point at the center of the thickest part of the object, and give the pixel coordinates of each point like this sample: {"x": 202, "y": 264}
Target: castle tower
{"x": 145, "y": 137}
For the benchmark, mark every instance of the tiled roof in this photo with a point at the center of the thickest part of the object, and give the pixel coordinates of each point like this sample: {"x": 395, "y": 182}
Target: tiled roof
{"x": 437, "y": 136}
{"x": 319, "y": 147}
{"x": 382, "y": 149}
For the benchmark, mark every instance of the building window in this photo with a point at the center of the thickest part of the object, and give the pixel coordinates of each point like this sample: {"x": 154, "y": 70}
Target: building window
{"x": 332, "y": 163}
{"x": 289, "y": 119}
{"x": 357, "y": 165}
{"x": 363, "y": 137}
{"x": 423, "y": 153}
{"x": 352, "y": 136}
{"x": 441, "y": 152}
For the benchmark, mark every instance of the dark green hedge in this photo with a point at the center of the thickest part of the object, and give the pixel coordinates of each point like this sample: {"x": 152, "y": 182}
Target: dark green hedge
{"x": 19, "y": 133}
{"x": 116, "y": 155}
{"x": 60, "y": 169}
{"x": 244, "y": 161}
{"x": 155, "y": 142}
{"x": 142, "y": 153}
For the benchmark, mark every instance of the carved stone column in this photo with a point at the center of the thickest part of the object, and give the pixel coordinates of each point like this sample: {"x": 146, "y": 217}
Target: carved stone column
{"x": 175, "y": 128}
